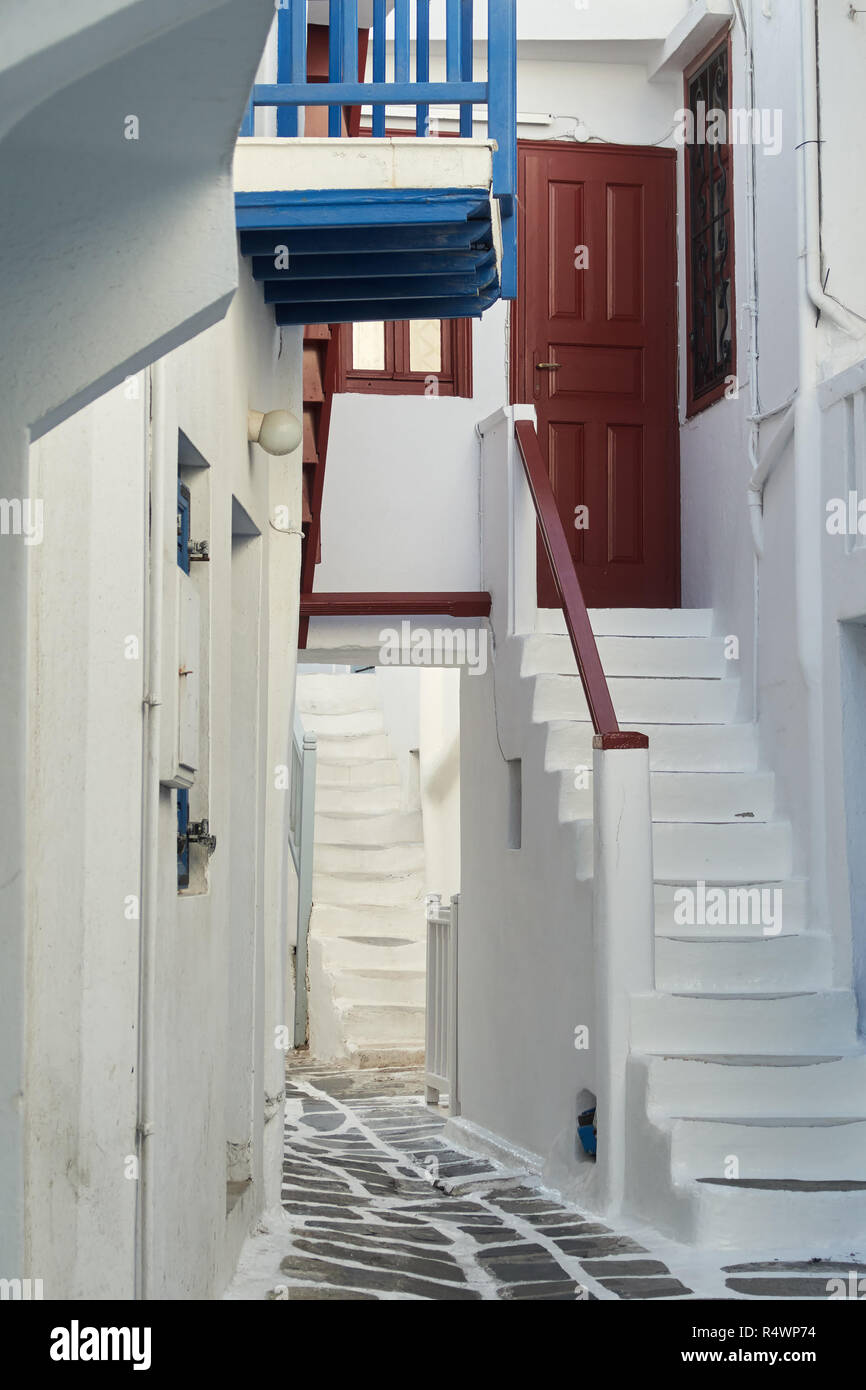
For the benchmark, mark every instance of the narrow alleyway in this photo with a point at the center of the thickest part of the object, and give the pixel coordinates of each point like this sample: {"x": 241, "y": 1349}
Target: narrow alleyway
{"x": 378, "y": 1205}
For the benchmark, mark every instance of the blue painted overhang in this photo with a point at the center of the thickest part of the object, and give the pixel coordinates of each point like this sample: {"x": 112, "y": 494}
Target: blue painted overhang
{"x": 356, "y": 255}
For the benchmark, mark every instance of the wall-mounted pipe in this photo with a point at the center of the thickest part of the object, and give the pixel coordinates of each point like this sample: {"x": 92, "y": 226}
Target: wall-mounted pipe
{"x": 156, "y": 466}
{"x": 762, "y": 467}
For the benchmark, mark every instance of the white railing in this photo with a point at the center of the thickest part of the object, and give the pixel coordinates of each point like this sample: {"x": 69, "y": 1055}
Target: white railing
{"x": 302, "y": 821}
{"x": 440, "y": 1066}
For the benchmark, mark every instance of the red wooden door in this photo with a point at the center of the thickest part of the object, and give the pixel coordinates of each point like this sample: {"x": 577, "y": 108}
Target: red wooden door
{"x": 595, "y": 351}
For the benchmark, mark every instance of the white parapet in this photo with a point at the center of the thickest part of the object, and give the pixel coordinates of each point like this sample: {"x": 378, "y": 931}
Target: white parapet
{"x": 264, "y": 164}
{"x": 623, "y": 932}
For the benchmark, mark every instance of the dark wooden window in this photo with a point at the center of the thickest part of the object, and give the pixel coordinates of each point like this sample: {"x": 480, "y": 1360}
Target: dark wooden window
{"x": 425, "y": 357}
{"x": 710, "y": 230}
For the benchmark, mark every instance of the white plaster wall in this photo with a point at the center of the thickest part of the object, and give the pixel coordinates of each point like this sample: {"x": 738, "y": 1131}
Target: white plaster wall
{"x": 84, "y": 805}
{"x": 525, "y": 945}
{"x": 102, "y": 271}
{"x": 440, "y": 778}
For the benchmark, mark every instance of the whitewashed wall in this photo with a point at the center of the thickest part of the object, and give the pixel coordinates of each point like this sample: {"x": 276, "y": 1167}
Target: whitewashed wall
{"x": 220, "y": 955}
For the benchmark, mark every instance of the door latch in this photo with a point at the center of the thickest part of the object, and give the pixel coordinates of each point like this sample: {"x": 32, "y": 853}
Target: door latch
{"x": 199, "y": 834}
{"x": 549, "y": 367}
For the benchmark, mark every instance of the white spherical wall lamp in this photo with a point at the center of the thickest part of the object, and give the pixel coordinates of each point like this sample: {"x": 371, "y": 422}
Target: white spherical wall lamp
{"x": 277, "y": 432}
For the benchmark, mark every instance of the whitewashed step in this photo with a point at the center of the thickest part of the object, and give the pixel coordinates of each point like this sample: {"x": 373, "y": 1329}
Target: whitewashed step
{"x": 384, "y": 831}
{"x": 382, "y": 1057}
{"x": 731, "y": 853}
{"x": 371, "y": 774}
{"x": 371, "y": 986}
{"x": 369, "y": 890}
{"x": 755, "y": 1088}
{"x": 361, "y": 748}
{"x": 651, "y": 700}
{"x": 673, "y": 747}
{"x": 684, "y": 796}
{"x": 344, "y": 725}
{"x": 636, "y": 622}
{"x": 684, "y": 853}
{"x": 372, "y": 861}
{"x": 697, "y": 657}
{"x": 823, "y": 1217}
{"x": 833, "y": 1150}
{"x": 758, "y": 966}
{"x": 746, "y": 910}
{"x": 329, "y": 694}
{"x": 347, "y": 800}
{"x": 399, "y": 920}
{"x": 372, "y": 953}
{"x": 778, "y": 1025}
{"x": 381, "y": 1024}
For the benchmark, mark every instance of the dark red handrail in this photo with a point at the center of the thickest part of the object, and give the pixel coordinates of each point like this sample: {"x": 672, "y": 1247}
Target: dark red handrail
{"x": 580, "y": 631}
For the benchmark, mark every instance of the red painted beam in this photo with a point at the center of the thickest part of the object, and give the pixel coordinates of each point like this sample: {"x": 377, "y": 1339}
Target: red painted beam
{"x": 567, "y": 585}
{"x": 452, "y": 605}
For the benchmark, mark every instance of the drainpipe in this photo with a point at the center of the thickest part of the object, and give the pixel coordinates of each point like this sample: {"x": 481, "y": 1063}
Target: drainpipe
{"x": 809, "y": 509}
{"x": 156, "y": 472}
{"x": 762, "y": 467}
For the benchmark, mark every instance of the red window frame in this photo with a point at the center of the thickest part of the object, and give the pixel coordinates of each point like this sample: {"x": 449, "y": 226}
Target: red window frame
{"x": 701, "y": 399}
{"x": 397, "y": 379}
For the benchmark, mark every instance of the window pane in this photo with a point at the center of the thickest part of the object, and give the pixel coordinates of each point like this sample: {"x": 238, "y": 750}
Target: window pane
{"x": 368, "y": 347}
{"x": 425, "y": 345}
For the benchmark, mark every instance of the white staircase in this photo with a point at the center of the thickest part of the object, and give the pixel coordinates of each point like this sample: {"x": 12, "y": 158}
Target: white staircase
{"x": 367, "y": 947}
{"x": 747, "y": 1084}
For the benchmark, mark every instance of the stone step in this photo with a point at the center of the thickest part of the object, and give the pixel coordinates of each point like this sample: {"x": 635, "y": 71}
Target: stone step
{"x": 383, "y": 1056}
{"x": 358, "y": 775}
{"x": 369, "y": 890}
{"x": 832, "y": 1150}
{"x": 372, "y": 953}
{"x": 777, "y": 1025}
{"x": 357, "y": 920}
{"x": 381, "y": 1024}
{"x": 636, "y": 622}
{"x": 347, "y": 800}
{"x": 756, "y": 1213}
{"x": 381, "y": 986}
{"x": 383, "y": 831}
{"x": 757, "y": 966}
{"x": 673, "y": 747}
{"x": 344, "y": 725}
{"x": 372, "y": 861}
{"x": 745, "y": 910}
{"x": 758, "y": 1088}
{"x": 360, "y": 748}
{"x": 331, "y": 694}
{"x": 684, "y": 853}
{"x": 696, "y": 657}
{"x": 654, "y": 700}
{"x": 683, "y": 796}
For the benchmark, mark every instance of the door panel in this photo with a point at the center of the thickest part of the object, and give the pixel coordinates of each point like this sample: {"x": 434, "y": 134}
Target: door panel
{"x": 595, "y": 353}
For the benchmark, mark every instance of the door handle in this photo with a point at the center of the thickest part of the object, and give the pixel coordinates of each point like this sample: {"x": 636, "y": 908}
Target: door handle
{"x": 548, "y": 367}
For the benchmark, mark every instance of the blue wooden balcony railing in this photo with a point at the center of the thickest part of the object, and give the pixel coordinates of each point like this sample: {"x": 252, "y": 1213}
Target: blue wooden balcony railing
{"x": 344, "y": 87}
